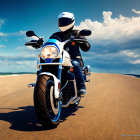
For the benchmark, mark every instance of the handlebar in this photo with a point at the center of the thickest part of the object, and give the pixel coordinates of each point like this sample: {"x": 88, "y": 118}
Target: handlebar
{"x": 35, "y": 42}
{"x": 30, "y": 43}
{"x": 78, "y": 40}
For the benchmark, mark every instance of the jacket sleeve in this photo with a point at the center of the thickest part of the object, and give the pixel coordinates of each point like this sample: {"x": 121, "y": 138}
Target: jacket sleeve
{"x": 85, "y": 46}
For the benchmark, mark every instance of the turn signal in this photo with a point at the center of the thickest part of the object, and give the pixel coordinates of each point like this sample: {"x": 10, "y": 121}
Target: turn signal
{"x": 71, "y": 69}
{"x": 59, "y": 85}
{"x": 73, "y": 43}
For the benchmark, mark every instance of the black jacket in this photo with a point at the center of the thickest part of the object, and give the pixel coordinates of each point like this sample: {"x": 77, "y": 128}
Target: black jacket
{"x": 73, "y": 50}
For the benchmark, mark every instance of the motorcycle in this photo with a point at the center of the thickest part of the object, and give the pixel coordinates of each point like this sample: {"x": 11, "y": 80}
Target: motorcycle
{"x": 55, "y": 85}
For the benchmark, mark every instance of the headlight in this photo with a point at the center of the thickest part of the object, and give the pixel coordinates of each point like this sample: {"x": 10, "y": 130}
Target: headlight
{"x": 49, "y": 52}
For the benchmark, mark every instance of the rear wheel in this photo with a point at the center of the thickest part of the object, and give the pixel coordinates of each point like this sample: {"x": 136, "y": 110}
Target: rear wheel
{"x": 47, "y": 108}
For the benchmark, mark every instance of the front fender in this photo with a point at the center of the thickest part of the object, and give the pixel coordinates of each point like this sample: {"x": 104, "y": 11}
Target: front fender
{"x": 56, "y": 82}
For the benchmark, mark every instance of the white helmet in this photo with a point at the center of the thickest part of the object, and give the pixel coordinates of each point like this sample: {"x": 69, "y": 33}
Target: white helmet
{"x": 66, "y": 21}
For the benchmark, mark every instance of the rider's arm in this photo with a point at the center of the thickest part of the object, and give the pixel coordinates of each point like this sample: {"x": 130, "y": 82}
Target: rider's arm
{"x": 85, "y": 46}
{"x": 35, "y": 43}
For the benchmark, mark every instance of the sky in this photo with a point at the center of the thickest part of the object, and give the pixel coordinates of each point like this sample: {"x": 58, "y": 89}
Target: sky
{"x": 115, "y": 26}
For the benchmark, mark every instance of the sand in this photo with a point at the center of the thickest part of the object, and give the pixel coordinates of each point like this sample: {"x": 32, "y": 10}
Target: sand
{"x": 109, "y": 111}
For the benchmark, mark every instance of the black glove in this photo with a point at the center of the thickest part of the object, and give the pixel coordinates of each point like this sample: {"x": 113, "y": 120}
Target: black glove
{"x": 35, "y": 43}
{"x": 40, "y": 41}
{"x": 85, "y": 46}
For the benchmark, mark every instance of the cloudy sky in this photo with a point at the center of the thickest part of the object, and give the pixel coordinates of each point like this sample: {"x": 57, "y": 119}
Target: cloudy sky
{"x": 115, "y": 25}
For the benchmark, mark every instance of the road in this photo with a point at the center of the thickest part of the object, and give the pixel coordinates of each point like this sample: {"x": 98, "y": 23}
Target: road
{"x": 109, "y": 111}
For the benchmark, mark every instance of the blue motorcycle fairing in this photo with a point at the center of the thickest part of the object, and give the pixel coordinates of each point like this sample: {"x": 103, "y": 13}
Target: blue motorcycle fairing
{"x": 51, "y": 42}
{"x": 48, "y": 60}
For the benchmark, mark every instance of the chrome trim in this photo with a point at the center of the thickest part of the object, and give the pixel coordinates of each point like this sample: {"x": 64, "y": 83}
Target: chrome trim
{"x": 31, "y": 85}
{"x": 50, "y": 64}
{"x": 74, "y": 101}
{"x": 73, "y": 98}
{"x": 87, "y": 70}
{"x": 78, "y": 57}
{"x": 64, "y": 86}
{"x": 38, "y": 61}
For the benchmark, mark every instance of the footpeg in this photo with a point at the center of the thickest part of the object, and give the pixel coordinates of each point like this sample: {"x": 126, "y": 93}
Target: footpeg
{"x": 87, "y": 80}
{"x": 31, "y": 85}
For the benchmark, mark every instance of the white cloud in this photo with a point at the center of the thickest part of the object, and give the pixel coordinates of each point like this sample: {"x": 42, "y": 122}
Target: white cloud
{"x": 112, "y": 30}
{"x": 1, "y": 22}
{"x": 2, "y": 46}
{"x": 34, "y": 37}
{"x": 3, "y": 34}
{"x": 28, "y": 55}
{"x": 130, "y": 53}
{"x": 19, "y": 33}
{"x": 20, "y": 48}
{"x": 25, "y": 48}
{"x": 26, "y": 62}
{"x": 30, "y": 48}
{"x": 18, "y": 66}
{"x": 19, "y": 62}
{"x": 135, "y": 11}
{"x": 135, "y": 61}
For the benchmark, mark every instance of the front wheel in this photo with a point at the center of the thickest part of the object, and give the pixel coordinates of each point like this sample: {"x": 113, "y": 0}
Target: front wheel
{"x": 47, "y": 108}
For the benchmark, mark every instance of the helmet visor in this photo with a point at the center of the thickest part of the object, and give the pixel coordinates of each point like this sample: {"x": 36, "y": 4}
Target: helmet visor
{"x": 64, "y": 21}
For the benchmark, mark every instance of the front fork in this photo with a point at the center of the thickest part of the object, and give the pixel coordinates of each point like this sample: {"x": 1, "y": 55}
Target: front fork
{"x": 57, "y": 81}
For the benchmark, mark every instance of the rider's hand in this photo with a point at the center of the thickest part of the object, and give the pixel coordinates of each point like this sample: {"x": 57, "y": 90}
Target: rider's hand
{"x": 40, "y": 41}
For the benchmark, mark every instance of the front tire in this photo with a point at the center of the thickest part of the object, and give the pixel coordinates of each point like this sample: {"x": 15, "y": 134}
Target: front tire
{"x": 47, "y": 108}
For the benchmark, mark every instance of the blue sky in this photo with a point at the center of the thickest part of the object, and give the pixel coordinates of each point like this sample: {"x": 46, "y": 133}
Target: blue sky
{"x": 115, "y": 42}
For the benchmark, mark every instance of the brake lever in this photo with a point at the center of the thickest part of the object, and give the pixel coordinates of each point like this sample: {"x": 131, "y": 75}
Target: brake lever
{"x": 79, "y": 40}
{"x": 29, "y": 43}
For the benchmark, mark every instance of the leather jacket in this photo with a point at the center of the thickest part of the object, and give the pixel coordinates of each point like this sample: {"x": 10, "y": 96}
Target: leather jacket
{"x": 72, "y": 49}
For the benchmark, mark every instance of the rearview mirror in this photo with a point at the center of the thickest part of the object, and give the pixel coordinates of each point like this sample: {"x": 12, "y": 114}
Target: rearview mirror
{"x": 85, "y": 32}
{"x": 30, "y": 33}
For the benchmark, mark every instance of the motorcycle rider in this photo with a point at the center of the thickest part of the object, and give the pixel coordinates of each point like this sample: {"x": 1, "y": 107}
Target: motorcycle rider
{"x": 66, "y": 23}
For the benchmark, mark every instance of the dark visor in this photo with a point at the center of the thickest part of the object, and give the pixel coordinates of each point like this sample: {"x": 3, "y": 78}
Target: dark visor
{"x": 64, "y": 22}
